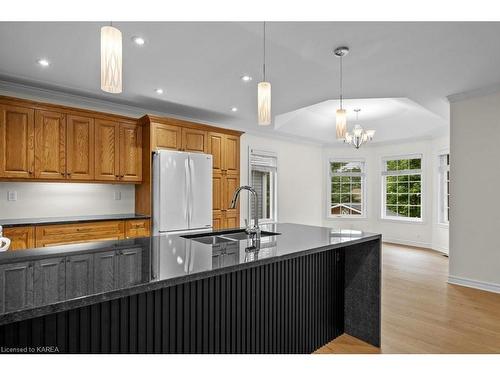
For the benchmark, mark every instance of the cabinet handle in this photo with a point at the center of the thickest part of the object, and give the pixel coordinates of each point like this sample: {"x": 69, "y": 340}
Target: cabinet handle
{"x": 30, "y": 172}
{"x": 63, "y": 174}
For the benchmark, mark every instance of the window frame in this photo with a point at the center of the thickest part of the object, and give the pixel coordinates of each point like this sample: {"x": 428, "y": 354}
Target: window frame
{"x": 443, "y": 190}
{"x": 363, "y": 176}
{"x": 383, "y": 175}
{"x": 274, "y": 184}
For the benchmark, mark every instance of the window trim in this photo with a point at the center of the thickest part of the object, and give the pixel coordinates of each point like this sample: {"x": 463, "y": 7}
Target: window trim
{"x": 364, "y": 178}
{"x": 274, "y": 204}
{"x": 384, "y": 174}
{"x": 440, "y": 189}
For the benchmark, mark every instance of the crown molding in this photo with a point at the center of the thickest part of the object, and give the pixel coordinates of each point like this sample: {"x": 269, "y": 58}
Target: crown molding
{"x": 483, "y": 91}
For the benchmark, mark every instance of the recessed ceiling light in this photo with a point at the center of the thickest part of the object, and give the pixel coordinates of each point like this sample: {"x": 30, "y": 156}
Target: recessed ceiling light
{"x": 234, "y": 109}
{"x": 138, "y": 40}
{"x": 159, "y": 91}
{"x": 246, "y": 78}
{"x": 43, "y": 62}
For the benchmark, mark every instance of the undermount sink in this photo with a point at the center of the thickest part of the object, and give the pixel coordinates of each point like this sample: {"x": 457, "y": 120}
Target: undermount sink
{"x": 226, "y": 236}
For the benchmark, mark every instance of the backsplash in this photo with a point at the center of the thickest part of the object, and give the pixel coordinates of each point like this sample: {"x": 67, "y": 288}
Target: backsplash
{"x": 40, "y": 199}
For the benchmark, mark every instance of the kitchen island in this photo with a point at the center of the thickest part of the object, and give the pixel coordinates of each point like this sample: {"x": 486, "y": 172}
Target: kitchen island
{"x": 302, "y": 288}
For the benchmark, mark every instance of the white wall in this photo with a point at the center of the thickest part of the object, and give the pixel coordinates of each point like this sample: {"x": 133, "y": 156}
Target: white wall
{"x": 426, "y": 233}
{"x": 40, "y": 199}
{"x": 299, "y": 178}
{"x": 475, "y": 177}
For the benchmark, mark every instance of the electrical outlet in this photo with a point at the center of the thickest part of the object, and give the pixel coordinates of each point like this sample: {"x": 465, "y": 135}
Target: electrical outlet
{"x": 12, "y": 196}
{"x": 118, "y": 195}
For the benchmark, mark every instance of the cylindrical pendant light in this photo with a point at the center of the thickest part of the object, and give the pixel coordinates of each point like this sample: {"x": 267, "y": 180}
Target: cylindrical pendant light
{"x": 264, "y": 93}
{"x": 111, "y": 60}
{"x": 264, "y": 103}
{"x": 341, "y": 115}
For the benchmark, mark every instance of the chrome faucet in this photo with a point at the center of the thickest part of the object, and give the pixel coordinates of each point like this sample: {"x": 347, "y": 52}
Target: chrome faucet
{"x": 253, "y": 231}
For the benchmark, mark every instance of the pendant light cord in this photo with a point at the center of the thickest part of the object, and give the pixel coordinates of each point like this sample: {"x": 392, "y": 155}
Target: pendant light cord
{"x": 264, "y": 53}
{"x": 341, "y": 88}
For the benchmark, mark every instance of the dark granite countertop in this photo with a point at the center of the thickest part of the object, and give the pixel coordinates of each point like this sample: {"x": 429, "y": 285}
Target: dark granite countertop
{"x": 68, "y": 219}
{"x": 162, "y": 261}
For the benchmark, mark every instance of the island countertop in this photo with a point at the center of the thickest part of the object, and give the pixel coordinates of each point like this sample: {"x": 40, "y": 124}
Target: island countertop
{"x": 144, "y": 264}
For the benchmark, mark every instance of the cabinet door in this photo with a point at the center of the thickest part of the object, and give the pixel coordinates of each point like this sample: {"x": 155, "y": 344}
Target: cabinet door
{"x": 49, "y": 280}
{"x": 50, "y": 145}
{"x": 231, "y": 154}
{"x": 217, "y": 220}
{"x": 215, "y": 148}
{"x": 217, "y": 192}
{"x": 166, "y": 136}
{"x": 107, "y": 161}
{"x": 130, "y": 152}
{"x": 129, "y": 267}
{"x": 17, "y": 142}
{"x": 79, "y": 275}
{"x": 16, "y": 286}
{"x": 21, "y": 237}
{"x": 231, "y": 183}
{"x": 231, "y": 220}
{"x": 80, "y": 148}
{"x": 105, "y": 265}
{"x": 194, "y": 140}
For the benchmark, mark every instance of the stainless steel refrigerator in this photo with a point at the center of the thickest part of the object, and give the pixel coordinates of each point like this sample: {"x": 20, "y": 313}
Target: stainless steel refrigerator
{"x": 182, "y": 192}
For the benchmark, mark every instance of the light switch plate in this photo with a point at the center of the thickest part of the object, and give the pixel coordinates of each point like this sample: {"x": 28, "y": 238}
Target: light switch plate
{"x": 118, "y": 195}
{"x": 12, "y": 196}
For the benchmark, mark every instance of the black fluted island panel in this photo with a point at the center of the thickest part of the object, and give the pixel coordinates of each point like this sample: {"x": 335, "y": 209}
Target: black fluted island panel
{"x": 289, "y": 304}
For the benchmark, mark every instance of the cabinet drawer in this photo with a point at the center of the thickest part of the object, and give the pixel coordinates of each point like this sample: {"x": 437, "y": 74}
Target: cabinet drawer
{"x": 51, "y": 235}
{"x": 137, "y": 228}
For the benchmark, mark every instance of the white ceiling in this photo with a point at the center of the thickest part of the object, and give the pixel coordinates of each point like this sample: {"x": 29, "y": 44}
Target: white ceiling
{"x": 414, "y": 66}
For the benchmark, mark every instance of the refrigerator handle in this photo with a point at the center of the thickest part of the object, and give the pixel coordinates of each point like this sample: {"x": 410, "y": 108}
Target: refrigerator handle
{"x": 191, "y": 183}
{"x": 188, "y": 188}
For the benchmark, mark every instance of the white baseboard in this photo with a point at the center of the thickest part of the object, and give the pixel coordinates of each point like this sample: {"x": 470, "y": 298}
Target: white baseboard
{"x": 483, "y": 285}
{"x": 407, "y": 242}
{"x": 441, "y": 249}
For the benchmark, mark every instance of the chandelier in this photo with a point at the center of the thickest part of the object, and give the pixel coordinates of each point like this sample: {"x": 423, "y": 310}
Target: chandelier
{"x": 359, "y": 136}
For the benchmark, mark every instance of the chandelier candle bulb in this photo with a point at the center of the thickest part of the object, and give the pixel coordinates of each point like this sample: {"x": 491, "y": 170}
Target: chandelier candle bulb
{"x": 264, "y": 103}
{"x": 111, "y": 60}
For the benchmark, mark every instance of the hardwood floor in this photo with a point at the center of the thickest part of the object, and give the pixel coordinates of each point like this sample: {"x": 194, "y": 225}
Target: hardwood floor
{"x": 422, "y": 313}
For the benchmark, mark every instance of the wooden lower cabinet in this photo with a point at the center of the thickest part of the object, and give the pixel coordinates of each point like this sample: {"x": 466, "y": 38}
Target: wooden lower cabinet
{"x": 21, "y": 237}
{"x": 27, "y": 237}
{"x": 52, "y": 235}
{"x": 137, "y": 228}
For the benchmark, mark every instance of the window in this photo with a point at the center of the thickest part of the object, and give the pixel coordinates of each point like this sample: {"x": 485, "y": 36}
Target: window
{"x": 402, "y": 188}
{"x": 346, "y": 188}
{"x": 444, "y": 188}
{"x": 263, "y": 178}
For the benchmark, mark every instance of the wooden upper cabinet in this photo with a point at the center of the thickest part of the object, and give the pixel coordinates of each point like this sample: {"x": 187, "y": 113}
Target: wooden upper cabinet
{"x": 107, "y": 144}
{"x": 17, "y": 148}
{"x": 231, "y": 163}
{"x": 50, "y": 145}
{"x": 80, "y": 148}
{"x": 130, "y": 152}
{"x": 215, "y": 148}
{"x": 166, "y": 136}
{"x": 194, "y": 140}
